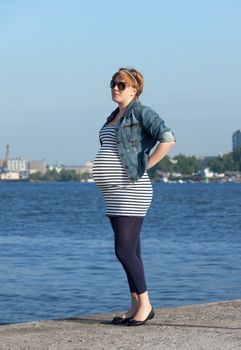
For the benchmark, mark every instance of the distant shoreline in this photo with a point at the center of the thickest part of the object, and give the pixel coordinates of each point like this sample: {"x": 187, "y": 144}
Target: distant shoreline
{"x": 153, "y": 181}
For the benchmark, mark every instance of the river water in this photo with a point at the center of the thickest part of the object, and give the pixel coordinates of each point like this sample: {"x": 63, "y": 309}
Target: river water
{"x": 57, "y": 258}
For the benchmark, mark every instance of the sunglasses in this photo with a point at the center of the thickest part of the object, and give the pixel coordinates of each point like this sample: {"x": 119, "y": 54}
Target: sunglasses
{"x": 120, "y": 84}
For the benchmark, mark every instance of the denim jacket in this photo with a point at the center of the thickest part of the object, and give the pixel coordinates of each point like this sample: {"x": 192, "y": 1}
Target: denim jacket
{"x": 137, "y": 132}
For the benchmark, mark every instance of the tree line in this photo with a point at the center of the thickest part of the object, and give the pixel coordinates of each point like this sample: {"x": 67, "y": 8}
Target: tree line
{"x": 189, "y": 166}
{"x": 62, "y": 175}
{"x": 180, "y": 165}
{"x": 227, "y": 162}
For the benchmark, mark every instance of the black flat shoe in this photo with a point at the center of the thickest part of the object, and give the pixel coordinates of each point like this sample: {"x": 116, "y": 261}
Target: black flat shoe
{"x": 120, "y": 320}
{"x": 133, "y": 322}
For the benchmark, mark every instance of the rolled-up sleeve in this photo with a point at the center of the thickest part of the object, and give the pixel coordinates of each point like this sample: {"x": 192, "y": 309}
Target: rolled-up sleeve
{"x": 155, "y": 126}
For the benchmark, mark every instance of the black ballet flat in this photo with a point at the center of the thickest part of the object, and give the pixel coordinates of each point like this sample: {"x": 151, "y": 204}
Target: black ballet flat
{"x": 120, "y": 320}
{"x": 133, "y": 322}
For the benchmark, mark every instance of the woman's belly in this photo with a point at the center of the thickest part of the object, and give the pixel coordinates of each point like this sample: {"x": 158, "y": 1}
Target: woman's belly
{"x": 108, "y": 172}
{"x": 107, "y": 168}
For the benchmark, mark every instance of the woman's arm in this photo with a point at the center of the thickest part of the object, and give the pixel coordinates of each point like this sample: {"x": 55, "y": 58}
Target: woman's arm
{"x": 160, "y": 152}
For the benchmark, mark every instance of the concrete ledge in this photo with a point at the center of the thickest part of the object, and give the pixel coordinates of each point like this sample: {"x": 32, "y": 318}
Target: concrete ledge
{"x": 213, "y": 326}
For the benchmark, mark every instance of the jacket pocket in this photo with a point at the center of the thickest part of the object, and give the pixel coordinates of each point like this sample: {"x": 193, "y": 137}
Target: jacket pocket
{"x": 132, "y": 132}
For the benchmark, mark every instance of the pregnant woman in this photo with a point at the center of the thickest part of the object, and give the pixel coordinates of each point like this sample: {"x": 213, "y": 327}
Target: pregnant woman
{"x": 127, "y": 137}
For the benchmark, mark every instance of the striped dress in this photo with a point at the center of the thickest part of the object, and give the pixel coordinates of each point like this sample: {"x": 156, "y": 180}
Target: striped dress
{"x": 122, "y": 197}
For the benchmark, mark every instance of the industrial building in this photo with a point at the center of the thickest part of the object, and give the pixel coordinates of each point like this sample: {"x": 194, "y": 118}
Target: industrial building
{"x": 236, "y": 139}
{"x": 19, "y": 168}
{"x": 87, "y": 168}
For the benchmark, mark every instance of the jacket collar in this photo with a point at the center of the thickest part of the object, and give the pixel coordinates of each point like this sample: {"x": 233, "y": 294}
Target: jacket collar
{"x": 127, "y": 112}
{"x": 130, "y": 107}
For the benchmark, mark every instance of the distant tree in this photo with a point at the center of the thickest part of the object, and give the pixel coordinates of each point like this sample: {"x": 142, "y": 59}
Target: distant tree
{"x": 68, "y": 175}
{"x": 85, "y": 176}
{"x": 36, "y": 176}
{"x": 186, "y": 165}
{"x": 164, "y": 166}
{"x": 226, "y": 162}
{"x": 51, "y": 175}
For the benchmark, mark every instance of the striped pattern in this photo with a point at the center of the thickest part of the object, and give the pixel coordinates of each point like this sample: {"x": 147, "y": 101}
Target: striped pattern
{"x": 122, "y": 197}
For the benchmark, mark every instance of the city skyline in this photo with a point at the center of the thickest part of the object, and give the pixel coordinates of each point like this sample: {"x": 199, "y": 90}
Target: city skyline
{"x": 236, "y": 135}
{"x": 58, "y": 58}
{"x": 236, "y": 142}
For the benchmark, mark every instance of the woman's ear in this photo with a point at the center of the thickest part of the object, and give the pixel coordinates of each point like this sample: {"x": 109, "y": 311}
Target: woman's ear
{"x": 134, "y": 91}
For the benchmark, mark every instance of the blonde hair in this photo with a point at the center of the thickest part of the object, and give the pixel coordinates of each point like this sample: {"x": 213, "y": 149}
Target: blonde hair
{"x": 132, "y": 77}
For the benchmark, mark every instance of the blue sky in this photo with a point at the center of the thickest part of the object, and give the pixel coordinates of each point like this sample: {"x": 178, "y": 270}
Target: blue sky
{"x": 57, "y": 58}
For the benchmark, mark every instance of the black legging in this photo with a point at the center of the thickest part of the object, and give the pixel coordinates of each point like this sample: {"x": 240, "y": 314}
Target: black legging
{"x": 127, "y": 231}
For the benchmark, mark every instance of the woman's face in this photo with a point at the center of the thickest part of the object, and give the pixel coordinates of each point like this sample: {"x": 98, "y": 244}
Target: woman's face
{"x": 124, "y": 96}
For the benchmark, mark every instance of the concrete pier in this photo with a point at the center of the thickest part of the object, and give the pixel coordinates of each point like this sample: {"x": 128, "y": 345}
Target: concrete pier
{"x": 213, "y": 326}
